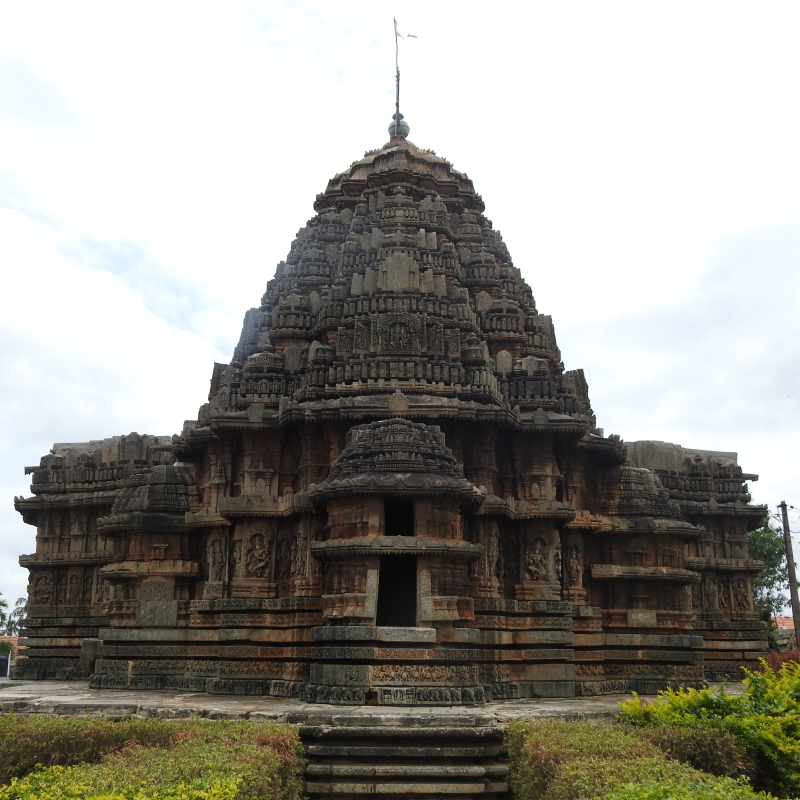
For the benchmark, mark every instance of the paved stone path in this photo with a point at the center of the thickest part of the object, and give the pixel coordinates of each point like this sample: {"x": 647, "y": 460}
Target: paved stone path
{"x": 75, "y": 698}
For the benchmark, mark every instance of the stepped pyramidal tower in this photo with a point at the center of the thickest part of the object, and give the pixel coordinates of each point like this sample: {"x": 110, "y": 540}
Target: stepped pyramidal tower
{"x": 395, "y": 494}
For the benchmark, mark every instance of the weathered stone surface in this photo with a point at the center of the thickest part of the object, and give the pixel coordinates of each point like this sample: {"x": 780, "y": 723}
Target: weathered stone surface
{"x": 394, "y": 494}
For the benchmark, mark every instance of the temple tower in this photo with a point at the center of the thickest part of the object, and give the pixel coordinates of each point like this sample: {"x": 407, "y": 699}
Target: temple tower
{"x": 395, "y": 494}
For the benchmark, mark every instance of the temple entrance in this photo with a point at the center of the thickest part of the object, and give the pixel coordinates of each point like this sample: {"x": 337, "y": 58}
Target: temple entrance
{"x": 398, "y": 518}
{"x": 397, "y": 592}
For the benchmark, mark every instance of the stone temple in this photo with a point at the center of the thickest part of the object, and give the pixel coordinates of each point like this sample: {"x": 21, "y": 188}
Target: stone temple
{"x": 395, "y": 494}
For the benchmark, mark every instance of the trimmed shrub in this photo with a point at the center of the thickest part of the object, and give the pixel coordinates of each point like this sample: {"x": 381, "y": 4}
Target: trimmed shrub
{"x": 712, "y": 789}
{"x": 558, "y": 760}
{"x": 709, "y": 749}
{"x": 29, "y": 742}
{"x": 205, "y": 761}
{"x": 765, "y": 719}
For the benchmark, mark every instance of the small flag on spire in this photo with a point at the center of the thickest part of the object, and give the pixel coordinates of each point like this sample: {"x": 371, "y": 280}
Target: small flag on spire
{"x": 397, "y": 33}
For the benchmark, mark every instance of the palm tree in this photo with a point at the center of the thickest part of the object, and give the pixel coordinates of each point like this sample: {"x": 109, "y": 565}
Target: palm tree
{"x": 16, "y": 617}
{"x": 3, "y": 616}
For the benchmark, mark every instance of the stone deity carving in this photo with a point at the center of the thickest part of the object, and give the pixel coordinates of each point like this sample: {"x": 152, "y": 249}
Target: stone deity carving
{"x": 536, "y": 560}
{"x": 741, "y": 595}
{"x": 257, "y": 556}
{"x": 73, "y": 593}
{"x": 711, "y": 595}
{"x": 61, "y": 590}
{"x": 215, "y": 557}
{"x": 42, "y": 590}
{"x": 575, "y": 566}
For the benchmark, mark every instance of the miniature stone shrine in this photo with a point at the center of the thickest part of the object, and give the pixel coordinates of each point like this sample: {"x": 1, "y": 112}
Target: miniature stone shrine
{"x": 395, "y": 494}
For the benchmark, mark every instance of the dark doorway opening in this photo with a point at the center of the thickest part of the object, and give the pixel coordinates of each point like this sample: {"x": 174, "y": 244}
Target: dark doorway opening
{"x": 397, "y": 592}
{"x": 398, "y": 517}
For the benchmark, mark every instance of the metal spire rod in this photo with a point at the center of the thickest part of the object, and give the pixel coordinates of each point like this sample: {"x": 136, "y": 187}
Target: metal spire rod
{"x": 397, "y": 79}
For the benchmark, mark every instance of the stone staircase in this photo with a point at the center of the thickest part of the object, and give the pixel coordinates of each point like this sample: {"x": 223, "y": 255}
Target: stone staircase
{"x": 415, "y": 757}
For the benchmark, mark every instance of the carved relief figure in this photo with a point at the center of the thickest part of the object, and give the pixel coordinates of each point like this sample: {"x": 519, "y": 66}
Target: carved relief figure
{"x": 61, "y": 590}
{"x": 575, "y": 566}
{"x": 399, "y": 332}
{"x": 215, "y": 557}
{"x": 536, "y": 560}
{"x": 100, "y": 589}
{"x": 73, "y": 592}
{"x": 723, "y": 596}
{"x": 741, "y": 595}
{"x": 284, "y": 568}
{"x": 557, "y": 563}
{"x": 257, "y": 555}
{"x": 236, "y": 559}
{"x": 711, "y": 594}
{"x": 492, "y": 549}
{"x": 87, "y": 590}
{"x": 695, "y": 599}
{"x": 42, "y": 593}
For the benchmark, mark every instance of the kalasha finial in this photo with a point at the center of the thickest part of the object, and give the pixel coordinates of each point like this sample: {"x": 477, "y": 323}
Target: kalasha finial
{"x": 399, "y": 127}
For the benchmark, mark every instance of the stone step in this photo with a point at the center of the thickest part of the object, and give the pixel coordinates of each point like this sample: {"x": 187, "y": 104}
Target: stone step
{"x": 437, "y": 732}
{"x": 408, "y": 770}
{"x": 392, "y": 752}
{"x": 406, "y": 788}
{"x": 404, "y": 759}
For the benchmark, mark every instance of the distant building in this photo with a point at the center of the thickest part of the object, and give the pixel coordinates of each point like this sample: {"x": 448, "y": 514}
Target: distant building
{"x": 785, "y": 635}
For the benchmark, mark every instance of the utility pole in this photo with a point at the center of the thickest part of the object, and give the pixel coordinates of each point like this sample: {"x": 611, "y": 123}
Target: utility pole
{"x": 787, "y": 541}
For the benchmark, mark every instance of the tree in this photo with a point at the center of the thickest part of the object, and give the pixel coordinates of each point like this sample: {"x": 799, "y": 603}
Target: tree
{"x": 16, "y": 617}
{"x": 10, "y": 622}
{"x": 770, "y": 587}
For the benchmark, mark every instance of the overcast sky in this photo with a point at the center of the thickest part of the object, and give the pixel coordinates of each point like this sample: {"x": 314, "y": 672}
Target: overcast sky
{"x": 640, "y": 159}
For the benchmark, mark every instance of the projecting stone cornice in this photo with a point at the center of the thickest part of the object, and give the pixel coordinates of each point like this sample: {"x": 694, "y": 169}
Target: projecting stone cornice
{"x": 608, "y": 571}
{"x": 141, "y": 521}
{"x": 396, "y": 545}
{"x": 366, "y": 403}
{"x": 64, "y": 559}
{"x": 662, "y": 527}
{"x": 725, "y": 564}
{"x": 513, "y": 508}
{"x": 168, "y": 567}
{"x": 264, "y": 506}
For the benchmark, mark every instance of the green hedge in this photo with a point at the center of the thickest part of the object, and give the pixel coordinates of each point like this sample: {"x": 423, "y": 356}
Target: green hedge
{"x": 710, "y": 789}
{"x": 197, "y": 760}
{"x": 26, "y": 742}
{"x": 558, "y": 760}
{"x": 765, "y": 719}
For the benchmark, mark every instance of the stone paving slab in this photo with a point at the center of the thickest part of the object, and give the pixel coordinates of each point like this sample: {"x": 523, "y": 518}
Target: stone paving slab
{"x": 75, "y": 698}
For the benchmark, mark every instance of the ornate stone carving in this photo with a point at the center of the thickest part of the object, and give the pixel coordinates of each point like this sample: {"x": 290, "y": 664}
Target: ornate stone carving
{"x": 216, "y": 559}
{"x": 536, "y": 559}
{"x": 258, "y": 553}
{"x": 399, "y": 333}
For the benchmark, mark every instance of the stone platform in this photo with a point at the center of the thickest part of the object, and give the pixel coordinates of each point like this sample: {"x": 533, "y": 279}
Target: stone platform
{"x": 422, "y": 752}
{"x": 75, "y": 698}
